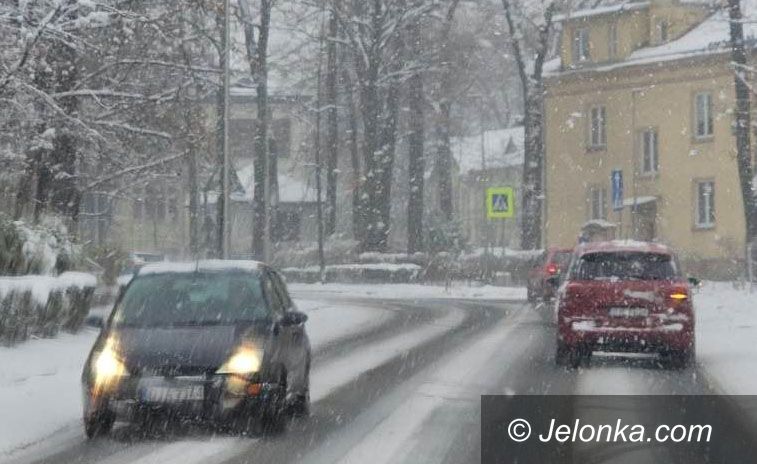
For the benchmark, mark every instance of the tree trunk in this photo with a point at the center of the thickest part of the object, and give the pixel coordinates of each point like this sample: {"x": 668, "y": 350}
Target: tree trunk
{"x": 374, "y": 238}
{"x": 358, "y": 229}
{"x": 257, "y": 55}
{"x": 532, "y": 87}
{"x": 64, "y": 189}
{"x": 743, "y": 120}
{"x": 532, "y": 172}
{"x": 332, "y": 142}
{"x": 221, "y": 147}
{"x": 444, "y": 161}
{"x": 444, "y": 121}
{"x": 416, "y": 163}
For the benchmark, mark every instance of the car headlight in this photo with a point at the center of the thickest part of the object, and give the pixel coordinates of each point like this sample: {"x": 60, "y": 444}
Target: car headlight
{"x": 244, "y": 361}
{"x": 107, "y": 367}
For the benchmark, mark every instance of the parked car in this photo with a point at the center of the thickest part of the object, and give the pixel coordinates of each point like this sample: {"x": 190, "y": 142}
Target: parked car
{"x": 551, "y": 263}
{"x": 625, "y": 296}
{"x": 217, "y": 341}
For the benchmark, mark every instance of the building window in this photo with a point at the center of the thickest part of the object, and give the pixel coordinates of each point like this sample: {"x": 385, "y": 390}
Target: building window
{"x": 650, "y": 160}
{"x": 597, "y": 203}
{"x": 703, "y": 114}
{"x": 597, "y": 131}
{"x": 612, "y": 41}
{"x": 705, "y": 204}
{"x": 581, "y": 45}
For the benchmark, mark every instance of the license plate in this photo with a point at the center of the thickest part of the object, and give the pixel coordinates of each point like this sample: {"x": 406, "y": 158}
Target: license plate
{"x": 171, "y": 394}
{"x": 628, "y": 312}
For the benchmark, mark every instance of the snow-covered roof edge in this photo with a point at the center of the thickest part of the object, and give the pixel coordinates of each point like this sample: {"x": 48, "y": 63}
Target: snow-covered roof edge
{"x": 610, "y": 9}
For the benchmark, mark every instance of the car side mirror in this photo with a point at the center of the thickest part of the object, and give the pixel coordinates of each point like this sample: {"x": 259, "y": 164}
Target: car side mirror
{"x": 694, "y": 282}
{"x": 292, "y": 318}
{"x": 95, "y": 321}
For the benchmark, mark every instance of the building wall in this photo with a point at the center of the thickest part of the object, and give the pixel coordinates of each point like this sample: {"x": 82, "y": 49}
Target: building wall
{"x": 635, "y": 29}
{"x": 661, "y": 97}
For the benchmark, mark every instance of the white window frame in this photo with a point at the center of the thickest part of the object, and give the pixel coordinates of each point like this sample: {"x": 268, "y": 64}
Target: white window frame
{"x": 649, "y": 144}
{"x": 703, "y": 118}
{"x": 597, "y": 203}
{"x": 598, "y": 127}
{"x": 581, "y": 50}
{"x": 705, "y": 218}
{"x": 612, "y": 41}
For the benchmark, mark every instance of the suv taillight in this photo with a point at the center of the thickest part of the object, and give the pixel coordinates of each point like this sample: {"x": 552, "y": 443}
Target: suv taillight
{"x": 552, "y": 269}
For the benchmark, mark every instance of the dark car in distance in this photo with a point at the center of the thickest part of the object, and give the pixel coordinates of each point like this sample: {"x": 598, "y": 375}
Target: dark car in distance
{"x": 215, "y": 341}
{"x": 552, "y": 262}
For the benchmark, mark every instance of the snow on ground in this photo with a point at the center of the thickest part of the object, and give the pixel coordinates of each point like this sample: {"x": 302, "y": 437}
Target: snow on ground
{"x": 329, "y": 377}
{"x": 329, "y": 321}
{"x": 40, "y": 387}
{"x": 726, "y": 333}
{"x": 40, "y": 380}
{"x": 414, "y": 291}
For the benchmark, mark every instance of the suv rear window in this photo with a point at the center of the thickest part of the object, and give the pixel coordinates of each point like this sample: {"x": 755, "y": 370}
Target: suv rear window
{"x": 625, "y": 266}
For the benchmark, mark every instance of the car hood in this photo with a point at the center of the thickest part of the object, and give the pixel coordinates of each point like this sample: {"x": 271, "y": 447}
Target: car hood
{"x": 182, "y": 350}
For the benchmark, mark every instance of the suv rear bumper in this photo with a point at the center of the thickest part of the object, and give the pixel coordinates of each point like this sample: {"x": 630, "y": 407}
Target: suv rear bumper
{"x": 673, "y": 335}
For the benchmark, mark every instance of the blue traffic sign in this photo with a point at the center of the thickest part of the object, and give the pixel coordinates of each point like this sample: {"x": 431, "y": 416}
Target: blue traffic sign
{"x": 616, "y": 179}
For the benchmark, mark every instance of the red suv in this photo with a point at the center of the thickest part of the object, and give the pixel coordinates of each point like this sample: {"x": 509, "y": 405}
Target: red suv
{"x": 541, "y": 282}
{"x": 625, "y": 296}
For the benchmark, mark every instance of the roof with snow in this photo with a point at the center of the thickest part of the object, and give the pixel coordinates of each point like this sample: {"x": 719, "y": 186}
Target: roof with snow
{"x": 209, "y": 265}
{"x": 501, "y": 148}
{"x": 620, "y": 246}
{"x": 292, "y": 189}
{"x": 601, "y": 10}
{"x": 710, "y": 37}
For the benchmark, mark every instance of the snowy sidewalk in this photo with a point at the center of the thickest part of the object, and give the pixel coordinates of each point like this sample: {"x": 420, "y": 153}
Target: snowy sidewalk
{"x": 726, "y": 334}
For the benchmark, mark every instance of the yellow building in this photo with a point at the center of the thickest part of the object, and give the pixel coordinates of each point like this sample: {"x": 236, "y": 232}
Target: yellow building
{"x": 644, "y": 91}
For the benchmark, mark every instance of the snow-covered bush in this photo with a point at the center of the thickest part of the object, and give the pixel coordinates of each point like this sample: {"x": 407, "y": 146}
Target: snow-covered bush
{"x": 34, "y": 249}
{"x": 304, "y": 254}
{"x": 356, "y": 273}
{"x": 43, "y": 305}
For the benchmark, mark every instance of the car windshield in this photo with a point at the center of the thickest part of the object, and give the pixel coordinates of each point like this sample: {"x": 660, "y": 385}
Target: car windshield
{"x": 192, "y": 299}
{"x": 625, "y": 266}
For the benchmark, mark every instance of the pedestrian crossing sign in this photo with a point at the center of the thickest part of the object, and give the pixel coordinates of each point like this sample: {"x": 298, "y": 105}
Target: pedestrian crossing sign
{"x": 500, "y": 203}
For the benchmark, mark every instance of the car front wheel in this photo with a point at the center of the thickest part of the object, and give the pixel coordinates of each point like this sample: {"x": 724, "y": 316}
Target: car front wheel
{"x": 99, "y": 424}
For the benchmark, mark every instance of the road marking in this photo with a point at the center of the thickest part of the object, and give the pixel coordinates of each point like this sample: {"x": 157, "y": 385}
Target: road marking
{"x": 458, "y": 378}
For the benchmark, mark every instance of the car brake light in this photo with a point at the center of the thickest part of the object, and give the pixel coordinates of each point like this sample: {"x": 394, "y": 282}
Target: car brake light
{"x": 678, "y": 296}
{"x": 552, "y": 269}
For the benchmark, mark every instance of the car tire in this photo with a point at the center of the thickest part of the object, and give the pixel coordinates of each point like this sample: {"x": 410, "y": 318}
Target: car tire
{"x": 300, "y": 406}
{"x": 678, "y": 359}
{"x": 99, "y": 424}
{"x": 274, "y": 417}
{"x": 562, "y": 354}
{"x": 575, "y": 356}
{"x": 530, "y": 295}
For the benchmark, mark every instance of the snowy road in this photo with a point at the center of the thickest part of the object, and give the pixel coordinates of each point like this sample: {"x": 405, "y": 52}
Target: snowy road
{"x": 405, "y": 389}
